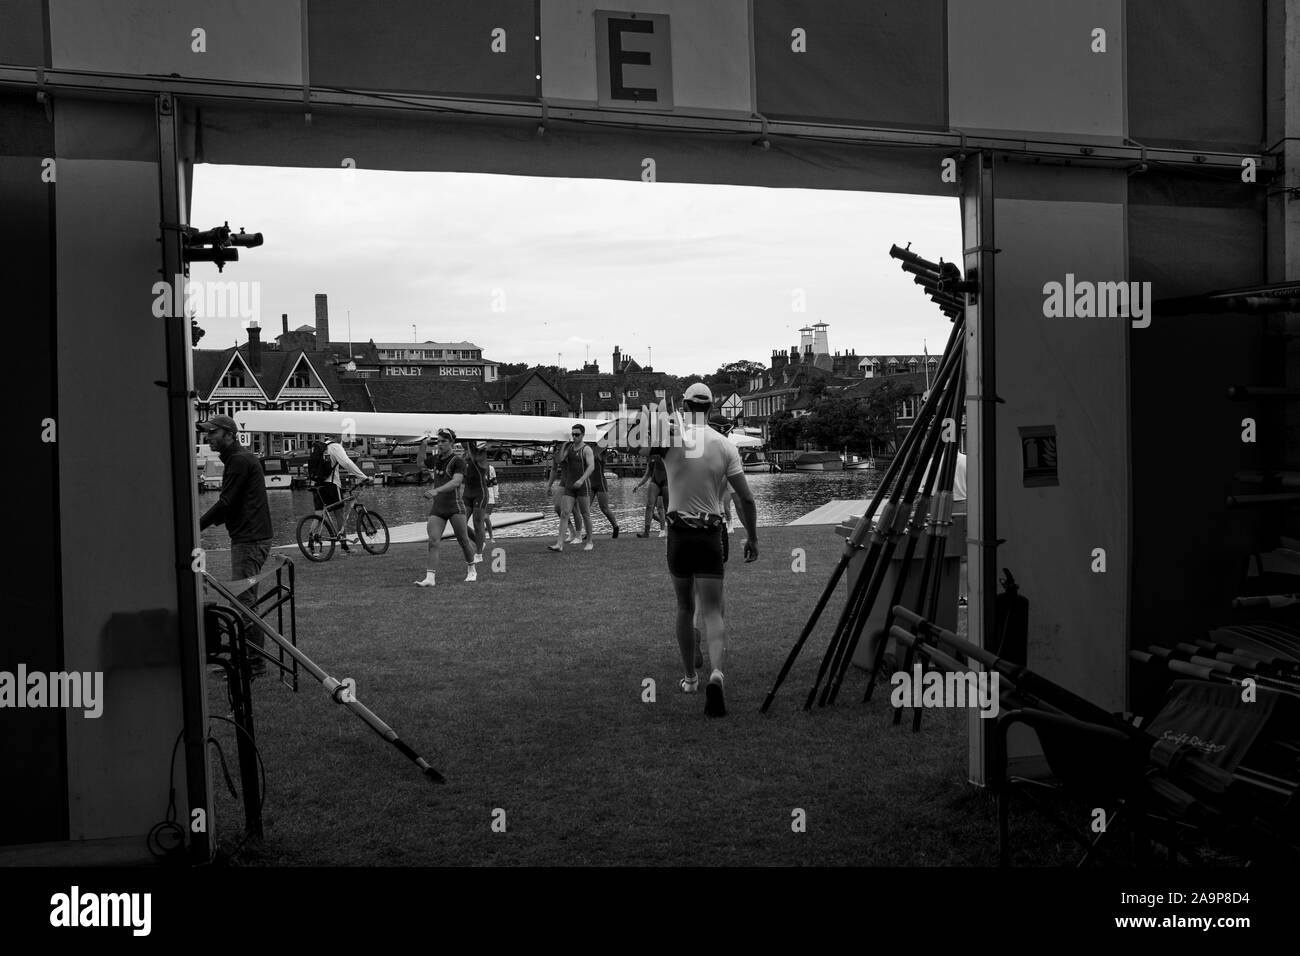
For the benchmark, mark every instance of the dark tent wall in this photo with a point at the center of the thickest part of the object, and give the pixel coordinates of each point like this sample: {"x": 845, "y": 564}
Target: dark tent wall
{"x": 1188, "y": 235}
{"x": 32, "y": 739}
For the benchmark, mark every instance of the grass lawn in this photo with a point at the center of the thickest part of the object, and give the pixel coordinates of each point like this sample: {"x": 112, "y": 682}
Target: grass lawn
{"x": 525, "y": 690}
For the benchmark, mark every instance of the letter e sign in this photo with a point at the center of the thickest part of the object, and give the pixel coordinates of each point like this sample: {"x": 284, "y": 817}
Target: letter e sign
{"x": 633, "y": 60}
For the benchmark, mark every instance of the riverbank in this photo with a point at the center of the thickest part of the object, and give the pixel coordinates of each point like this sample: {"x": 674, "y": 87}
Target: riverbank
{"x": 526, "y": 688}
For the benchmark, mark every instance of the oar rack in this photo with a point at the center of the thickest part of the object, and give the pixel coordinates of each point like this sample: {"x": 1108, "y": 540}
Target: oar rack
{"x": 912, "y": 505}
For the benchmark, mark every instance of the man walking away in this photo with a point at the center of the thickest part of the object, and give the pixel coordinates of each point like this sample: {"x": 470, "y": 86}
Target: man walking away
{"x": 243, "y": 509}
{"x": 700, "y": 464}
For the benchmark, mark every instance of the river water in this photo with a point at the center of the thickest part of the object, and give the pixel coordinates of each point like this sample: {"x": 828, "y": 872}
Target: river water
{"x": 781, "y": 498}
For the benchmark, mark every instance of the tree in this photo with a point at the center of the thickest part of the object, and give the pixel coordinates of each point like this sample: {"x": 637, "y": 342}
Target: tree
{"x": 513, "y": 368}
{"x": 196, "y": 333}
{"x": 784, "y": 430}
{"x": 736, "y": 374}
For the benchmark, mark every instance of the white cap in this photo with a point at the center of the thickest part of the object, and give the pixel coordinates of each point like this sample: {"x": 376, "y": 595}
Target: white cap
{"x": 699, "y": 394}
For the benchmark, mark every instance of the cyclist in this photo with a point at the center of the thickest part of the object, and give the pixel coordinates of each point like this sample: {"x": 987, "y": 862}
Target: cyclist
{"x": 331, "y": 490}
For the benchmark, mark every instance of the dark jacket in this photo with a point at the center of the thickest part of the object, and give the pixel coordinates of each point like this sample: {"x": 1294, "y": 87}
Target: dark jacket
{"x": 242, "y": 506}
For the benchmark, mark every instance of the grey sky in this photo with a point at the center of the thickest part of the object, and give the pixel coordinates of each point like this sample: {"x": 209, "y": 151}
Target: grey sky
{"x": 700, "y": 274}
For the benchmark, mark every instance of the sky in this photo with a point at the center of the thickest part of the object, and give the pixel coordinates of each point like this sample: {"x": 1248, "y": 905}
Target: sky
{"x": 539, "y": 270}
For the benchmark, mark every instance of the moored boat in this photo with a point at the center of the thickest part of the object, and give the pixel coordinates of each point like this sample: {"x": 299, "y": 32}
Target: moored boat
{"x": 819, "y": 461}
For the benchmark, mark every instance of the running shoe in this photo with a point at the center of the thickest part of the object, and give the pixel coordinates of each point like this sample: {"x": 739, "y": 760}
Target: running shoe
{"x": 643, "y": 534}
{"x": 588, "y": 546}
{"x": 663, "y": 532}
{"x": 473, "y": 574}
{"x": 715, "y": 703}
{"x": 478, "y": 559}
{"x": 690, "y": 685}
{"x": 555, "y": 547}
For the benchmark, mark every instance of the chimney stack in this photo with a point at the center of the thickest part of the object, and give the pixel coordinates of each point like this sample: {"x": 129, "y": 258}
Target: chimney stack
{"x": 255, "y": 347}
{"x": 322, "y": 321}
{"x": 618, "y": 359}
{"x": 284, "y": 322}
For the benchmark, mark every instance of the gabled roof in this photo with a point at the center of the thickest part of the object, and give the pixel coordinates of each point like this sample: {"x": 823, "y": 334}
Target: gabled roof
{"x": 210, "y": 366}
{"x": 291, "y": 366}
{"x": 509, "y": 386}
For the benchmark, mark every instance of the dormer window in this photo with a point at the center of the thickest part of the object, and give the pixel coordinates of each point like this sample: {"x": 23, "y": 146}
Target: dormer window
{"x": 234, "y": 378}
{"x": 633, "y": 393}
{"x": 300, "y": 379}
{"x": 605, "y": 394}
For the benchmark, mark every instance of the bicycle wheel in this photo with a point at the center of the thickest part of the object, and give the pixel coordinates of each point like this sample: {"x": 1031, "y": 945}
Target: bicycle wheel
{"x": 373, "y": 532}
{"x": 314, "y": 538}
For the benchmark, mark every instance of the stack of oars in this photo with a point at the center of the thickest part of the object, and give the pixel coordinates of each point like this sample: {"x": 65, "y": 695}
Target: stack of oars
{"x": 914, "y": 500}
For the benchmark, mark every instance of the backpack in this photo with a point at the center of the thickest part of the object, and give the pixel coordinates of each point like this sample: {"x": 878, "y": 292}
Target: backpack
{"x": 319, "y": 468}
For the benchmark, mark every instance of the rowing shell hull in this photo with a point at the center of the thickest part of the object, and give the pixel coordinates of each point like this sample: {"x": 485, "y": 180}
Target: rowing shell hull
{"x": 489, "y": 427}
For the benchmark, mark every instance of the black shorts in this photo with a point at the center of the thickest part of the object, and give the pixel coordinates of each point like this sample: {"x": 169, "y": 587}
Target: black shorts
{"x": 446, "y": 514}
{"x": 596, "y": 483}
{"x": 328, "y": 494}
{"x": 580, "y": 492}
{"x": 663, "y": 492}
{"x": 695, "y": 552}
{"x": 473, "y": 501}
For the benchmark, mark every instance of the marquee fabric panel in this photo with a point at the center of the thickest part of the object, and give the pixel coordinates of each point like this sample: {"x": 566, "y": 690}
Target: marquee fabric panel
{"x": 31, "y": 744}
{"x": 1068, "y": 373}
{"x": 1196, "y": 75}
{"x": 247, "y": 41}
{"x": 22, "y": 34}
{"x": 265, "y": 138}
{"x": 881, "y": 63}
{"x": 994, "y": 46}
{"x": 425, "y": 46}
{"x": 119, "y": 612}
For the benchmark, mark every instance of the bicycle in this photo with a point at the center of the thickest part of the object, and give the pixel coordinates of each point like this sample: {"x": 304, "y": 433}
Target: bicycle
{"x": 317, "y": 535}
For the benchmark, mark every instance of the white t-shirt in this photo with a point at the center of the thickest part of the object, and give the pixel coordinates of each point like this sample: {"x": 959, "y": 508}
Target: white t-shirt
{"x": 492, "y": 485}
{"x": 697, "y": 475}
{"x": 958, "y": 479}
{"x": 958, "y": 488}
{"x": 334, "y": 451}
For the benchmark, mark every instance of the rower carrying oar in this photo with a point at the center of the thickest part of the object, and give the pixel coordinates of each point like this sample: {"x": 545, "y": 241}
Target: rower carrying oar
{"x": 340, "y": 692}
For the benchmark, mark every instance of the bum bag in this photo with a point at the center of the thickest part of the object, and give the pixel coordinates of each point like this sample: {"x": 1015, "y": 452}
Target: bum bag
{"x": 697, "y": 522}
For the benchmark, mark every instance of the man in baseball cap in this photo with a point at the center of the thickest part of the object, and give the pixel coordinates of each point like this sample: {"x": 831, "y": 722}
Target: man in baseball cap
{"x": 242, "y": 508}
{"x": 700, "y": 464}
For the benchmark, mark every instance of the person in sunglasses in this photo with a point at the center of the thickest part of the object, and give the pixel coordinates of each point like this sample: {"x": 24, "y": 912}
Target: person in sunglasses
{"x": 446, "y": 503}
{"x": 577, "y": 462}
